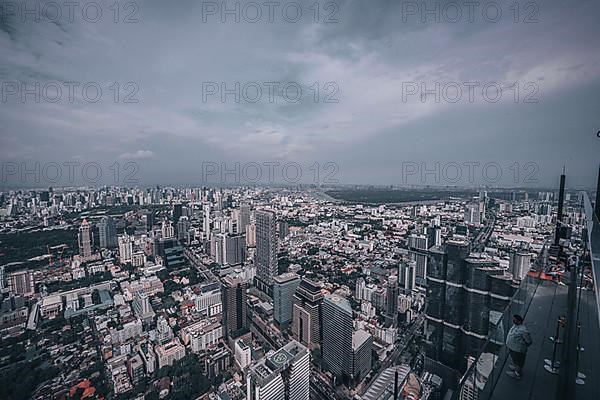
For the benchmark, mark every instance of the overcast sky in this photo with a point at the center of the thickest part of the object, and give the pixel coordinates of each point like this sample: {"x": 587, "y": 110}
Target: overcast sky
{"x": 367, "y": 61}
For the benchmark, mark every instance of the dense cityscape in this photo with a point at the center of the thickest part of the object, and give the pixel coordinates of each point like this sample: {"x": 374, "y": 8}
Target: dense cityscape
{"x": 299, "y": 200}
{"x": 271, "y": 292}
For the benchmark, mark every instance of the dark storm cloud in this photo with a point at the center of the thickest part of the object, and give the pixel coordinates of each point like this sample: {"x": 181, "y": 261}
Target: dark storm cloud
{"x": 368, "y": 54}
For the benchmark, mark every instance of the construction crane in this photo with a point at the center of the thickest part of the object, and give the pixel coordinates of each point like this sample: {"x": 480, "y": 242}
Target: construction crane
{"x": 61, "y": 253}
{"x": 49, "y": 255}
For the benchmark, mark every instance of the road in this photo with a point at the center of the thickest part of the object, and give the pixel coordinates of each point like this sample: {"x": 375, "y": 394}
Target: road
{"x": 401, "y": 347}
{"x": 320, "y": 388}
{"x": 485, "y": 233}
{"x": 404, "y": 342}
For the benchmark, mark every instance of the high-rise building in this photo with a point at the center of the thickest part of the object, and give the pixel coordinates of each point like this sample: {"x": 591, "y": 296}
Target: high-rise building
{"x": 177, "y": 212}
{"x": 170, "y": 352}
{"x": 360, "y": 288}
{"x": 418, "y": 245}
{"x": 407, "y": 274}
{"x": 337, "y": 336}
{"x": 149, "y": 220}
{"x": 229, "y": 249}
{"x": 473, "y": 214}
{"x": 206, "y": 221}
{"x": 417, "y": 241}
{"x": 392, "y": 300}
{"x": 266, "y": 248}
{"x": 251, "y": 235}
{"x": 463, "y": 295}
{"x": 141, "y": 306}
{"x": 306, "y": 313}
{"x": 164, "y": 333}
{"x": 209, "y": 301}
{"x": 434, "y": 236}
{"x": 242, "y": 354}
{"x": 235, "y": 310}
{"x": 243, "y": 218}
{"x": 125, "y": 249}
{"x": 2, "y": 279}
{"x": 167, "y": 230}
{"x": 361, "y": 361}
{"x": 378, "y": 298}
{"x": 107, "y": 232}
{"x": 183, "y": 226}
{"x": 85, "y": 240}
{"x": 135, "y": 368}
{"x": 419, "y": 257}
{"x": 284, "y": 374}
{"x": 283, "y": 229}
{"x": 284, "y": 288}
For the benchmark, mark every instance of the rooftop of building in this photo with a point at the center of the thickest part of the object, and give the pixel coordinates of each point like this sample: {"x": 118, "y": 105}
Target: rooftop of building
{"x": 273, "y": 363}
{"x": 310, "y": 285}
{"x": 286, "y": 277}
{"x": 382, "y": 388}
{"x": 359, "y": 337}
{"x": 231, "y": 280}
{"x": 339, "y": 301}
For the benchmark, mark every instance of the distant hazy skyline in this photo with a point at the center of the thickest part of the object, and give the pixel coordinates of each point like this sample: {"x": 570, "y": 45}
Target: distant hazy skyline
{"x": 368, "y": 61}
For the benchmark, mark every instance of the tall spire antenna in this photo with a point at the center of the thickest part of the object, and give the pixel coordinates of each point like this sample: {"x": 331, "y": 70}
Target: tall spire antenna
{"x": 561, "y": 200}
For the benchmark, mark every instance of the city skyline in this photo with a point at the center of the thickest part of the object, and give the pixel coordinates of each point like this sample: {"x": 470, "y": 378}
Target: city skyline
{"x": 291, "y": 200}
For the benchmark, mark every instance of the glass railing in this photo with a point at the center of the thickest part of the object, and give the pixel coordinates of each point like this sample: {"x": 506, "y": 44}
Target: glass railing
{"x": 485, "y": 370}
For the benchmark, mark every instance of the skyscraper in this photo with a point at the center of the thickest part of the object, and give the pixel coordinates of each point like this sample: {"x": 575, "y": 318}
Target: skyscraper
{"x": 183, "y": 226}
{"x": 360, "y": 362}
{"x": 85, "y": 240}
{"x": 206, "y": 221}
{"x": 284, "y": 374}
{"x": 177, "y": 212}
{"x": 125, "y": 248}
{"x": 229, "y": 249}
{"x": 418, "y": 245}
{"x": 392, "y": 301}
{"x": 244, "y": 218}
{"x": 284, "y": 229}
{"x": 167, "y": 230}
{"x": 337, "y": 336}
{"x": 418, "y": 241}
{"x": 149, "y": 220}
{"x": 2, "y": 279}
{"x": 107, "y": 233}
{"x": 407, "y": 273}
{"x": 360, "y": 288}
{"x": 266, "y": 249}
{"x": 473, "y": 214}
{"x": 234, "y": 306}
{"x": 463, "y": 295}
{"x": 306, "y": 313}
{"x": 284, "y": 287}
{"x": 434, "y": 236}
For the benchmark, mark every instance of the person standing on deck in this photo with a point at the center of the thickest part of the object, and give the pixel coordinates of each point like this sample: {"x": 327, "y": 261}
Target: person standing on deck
{"x": 517, "y": 341}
